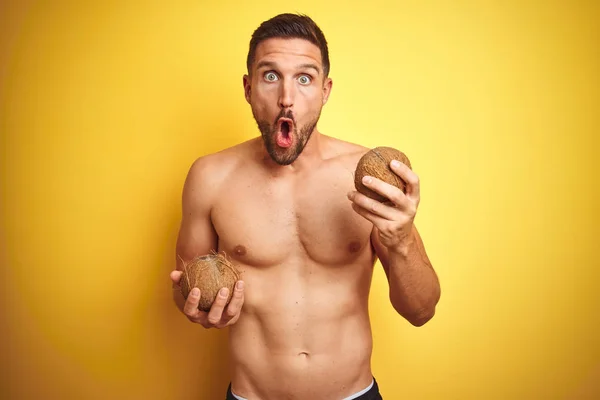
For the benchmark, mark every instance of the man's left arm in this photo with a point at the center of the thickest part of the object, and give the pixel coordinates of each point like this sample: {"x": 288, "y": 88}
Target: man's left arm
{"x": 414, "y": 285}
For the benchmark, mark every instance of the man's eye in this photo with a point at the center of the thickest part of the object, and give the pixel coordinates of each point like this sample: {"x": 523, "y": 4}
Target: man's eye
{"x": 270, "y": 76}
{"x": 304, "y": 80}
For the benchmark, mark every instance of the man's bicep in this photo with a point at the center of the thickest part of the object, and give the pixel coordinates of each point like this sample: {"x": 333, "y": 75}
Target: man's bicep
{"x": 197, "y": 235}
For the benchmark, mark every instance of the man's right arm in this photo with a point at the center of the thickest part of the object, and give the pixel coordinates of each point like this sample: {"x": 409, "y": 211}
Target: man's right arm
{"x": 197, "y": 237}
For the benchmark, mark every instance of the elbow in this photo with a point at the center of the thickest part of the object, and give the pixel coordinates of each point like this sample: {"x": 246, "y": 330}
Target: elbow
{"x": 425, "y": 314}
{"x": 416, "y": 317}
{"x": 421, "y": 318}
{"x": 420, "y": 313}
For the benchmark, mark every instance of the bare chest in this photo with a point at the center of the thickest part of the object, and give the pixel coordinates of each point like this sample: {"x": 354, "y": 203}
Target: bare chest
{"x": 266, "y": 222}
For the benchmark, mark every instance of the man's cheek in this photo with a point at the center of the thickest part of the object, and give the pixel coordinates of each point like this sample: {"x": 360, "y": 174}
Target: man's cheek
{"x": 264, "y": 99}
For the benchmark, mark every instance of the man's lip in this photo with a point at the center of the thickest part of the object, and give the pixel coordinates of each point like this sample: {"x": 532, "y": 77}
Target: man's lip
{"x": 282, "y": 120}
{"x": 290, "y": 125}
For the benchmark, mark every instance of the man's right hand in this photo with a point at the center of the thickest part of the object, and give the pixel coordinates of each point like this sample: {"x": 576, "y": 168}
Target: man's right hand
{"x": 220, "y": 314}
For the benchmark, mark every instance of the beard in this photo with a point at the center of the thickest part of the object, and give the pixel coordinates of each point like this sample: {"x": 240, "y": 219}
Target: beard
{"x": 286, "y": 156}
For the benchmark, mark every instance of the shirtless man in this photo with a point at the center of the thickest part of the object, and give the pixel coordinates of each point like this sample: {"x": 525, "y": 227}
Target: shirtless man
{"x": 284, "y": 208}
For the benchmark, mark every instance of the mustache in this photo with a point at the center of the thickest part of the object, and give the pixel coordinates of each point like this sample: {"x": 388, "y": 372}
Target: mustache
{"x": 285, "y": 114}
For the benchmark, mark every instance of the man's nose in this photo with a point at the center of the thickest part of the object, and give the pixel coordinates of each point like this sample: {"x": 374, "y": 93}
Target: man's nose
{"x": 286, "y": 93}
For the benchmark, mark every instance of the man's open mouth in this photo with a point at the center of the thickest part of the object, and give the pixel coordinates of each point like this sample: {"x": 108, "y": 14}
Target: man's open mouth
{"x": 285, "y": 128}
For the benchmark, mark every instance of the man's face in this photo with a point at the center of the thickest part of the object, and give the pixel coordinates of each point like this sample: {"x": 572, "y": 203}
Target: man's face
{"x": 287, "y": 90}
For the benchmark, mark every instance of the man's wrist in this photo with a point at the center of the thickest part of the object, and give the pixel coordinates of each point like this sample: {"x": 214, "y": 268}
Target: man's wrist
{"x": 402, "y": 248}
{"x": 399, "y": 251}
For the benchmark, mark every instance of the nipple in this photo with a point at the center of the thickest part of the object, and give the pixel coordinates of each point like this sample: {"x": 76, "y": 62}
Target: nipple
{"x": 239, "y": 250}
{"x": 354, "y": 246}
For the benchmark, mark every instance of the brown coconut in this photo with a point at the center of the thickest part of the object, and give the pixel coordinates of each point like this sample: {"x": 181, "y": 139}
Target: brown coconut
{"x": 209, "y": 273}
{"x": 376, "y": 163}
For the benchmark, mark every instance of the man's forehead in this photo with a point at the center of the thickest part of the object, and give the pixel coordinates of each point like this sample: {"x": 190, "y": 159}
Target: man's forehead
{"x": 282, "y": 49}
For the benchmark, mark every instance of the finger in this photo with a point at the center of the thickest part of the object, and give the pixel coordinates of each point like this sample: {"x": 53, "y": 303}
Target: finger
{"x": 409, "y": 177}
{"x": 394, "y": 194}
{"x": 190, "y": 308}
{"x": 235, "y": 305}
{"x": 216, "y": 310}
{"x": 176, "y": 276}
{"x": 375, "y": 219}
{"x": 373, "y": 206}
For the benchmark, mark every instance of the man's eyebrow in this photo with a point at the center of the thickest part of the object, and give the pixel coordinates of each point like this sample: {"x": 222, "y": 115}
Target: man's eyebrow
{"x": 313, "y": 66}
{"x": 271, "y": 64}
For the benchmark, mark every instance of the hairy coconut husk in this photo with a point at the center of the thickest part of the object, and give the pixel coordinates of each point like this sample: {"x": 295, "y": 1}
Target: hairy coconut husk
{"x": 376, "y": 163}
{"x": 209, "y": 273}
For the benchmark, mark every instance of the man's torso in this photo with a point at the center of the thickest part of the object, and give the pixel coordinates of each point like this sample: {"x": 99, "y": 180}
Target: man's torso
{"x": 306, "y": 260}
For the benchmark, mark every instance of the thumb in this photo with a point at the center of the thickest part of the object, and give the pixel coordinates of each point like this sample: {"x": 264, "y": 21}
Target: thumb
{"x": 176, "y": 276}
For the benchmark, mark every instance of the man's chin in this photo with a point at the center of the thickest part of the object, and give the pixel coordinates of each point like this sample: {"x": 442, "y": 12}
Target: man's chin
{"x": 283, "y": 158}
{"x": 279, "y": 155}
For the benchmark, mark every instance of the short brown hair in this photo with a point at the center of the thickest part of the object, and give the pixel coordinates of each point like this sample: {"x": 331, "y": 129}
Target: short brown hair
{"x": 296, "y": 26}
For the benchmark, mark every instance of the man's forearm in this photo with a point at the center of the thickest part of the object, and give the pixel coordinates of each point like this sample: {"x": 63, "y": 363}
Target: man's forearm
{"x": 414, "y": 286}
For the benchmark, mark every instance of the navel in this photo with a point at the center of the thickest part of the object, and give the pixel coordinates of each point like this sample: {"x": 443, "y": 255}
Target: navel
{"x": 239, "y": 250}
{"x": 354, "y": 246}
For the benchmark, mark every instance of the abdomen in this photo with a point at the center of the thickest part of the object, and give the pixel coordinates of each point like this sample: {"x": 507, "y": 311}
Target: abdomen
{"x": 304, "y": 333}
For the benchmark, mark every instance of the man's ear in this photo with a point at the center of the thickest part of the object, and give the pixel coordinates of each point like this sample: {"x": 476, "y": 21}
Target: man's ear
{"x": 327, "y": 89}
{"x": 247, "y": 88}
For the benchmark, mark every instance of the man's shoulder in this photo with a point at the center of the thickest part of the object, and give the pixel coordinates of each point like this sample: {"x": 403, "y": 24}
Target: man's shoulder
{"x": 226, "y": 158}
{"x": 346, "y": 152}
{"x": 216, "y": 166}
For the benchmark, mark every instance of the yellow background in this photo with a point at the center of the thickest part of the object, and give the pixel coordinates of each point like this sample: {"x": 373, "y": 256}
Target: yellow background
{"x": 104, "y": 106}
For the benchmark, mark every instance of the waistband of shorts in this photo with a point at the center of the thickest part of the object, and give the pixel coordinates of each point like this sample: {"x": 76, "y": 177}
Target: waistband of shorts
{"x": 371, "y": 388}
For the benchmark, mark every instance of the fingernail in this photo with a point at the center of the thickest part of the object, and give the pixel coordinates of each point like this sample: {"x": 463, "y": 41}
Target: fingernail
{"x": 239, "y": 285}
{"x": 395, "y": 163}
{"x": 224, "y": 292}
{"x": 367, "y": 179}
{"x": 195, "y": 292}
{"x": 349, "y": 195}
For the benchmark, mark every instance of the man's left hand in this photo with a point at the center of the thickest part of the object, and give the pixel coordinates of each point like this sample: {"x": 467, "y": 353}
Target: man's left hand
{"x": 393, "y": 219}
